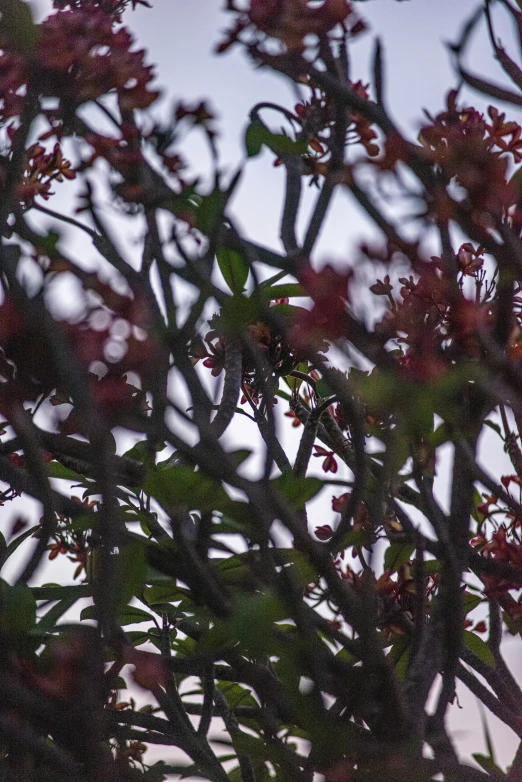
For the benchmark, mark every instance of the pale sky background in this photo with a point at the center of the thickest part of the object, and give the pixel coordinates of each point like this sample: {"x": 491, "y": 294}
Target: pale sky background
{"x": 180, "y": 36}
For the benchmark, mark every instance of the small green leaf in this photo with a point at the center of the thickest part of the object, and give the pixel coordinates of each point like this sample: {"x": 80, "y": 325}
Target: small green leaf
{"x": 236, "y": 695}
{"x": 477, "y": 500}
{"x": 89, "y": 612}
{"x": 488, "y": 765}
{"x": 287, "y": 291}
{"x": 165, "y": 592}
{"x": 258, "y": 134}
{"x": 53, "y": 592}
{"x": 131, "y": 571}
{"x": 17, "y": 608}
{"x": 140, "y": 452}
{"x": 49, "y": 619}
{"x": 399, "y": 654}
{"x": 322, "y": 389}
{"x": 440, "y": 436}
{"x": 3, "y": 550}
{"x": 298, "y": 491}
{"x": 239, "y": 456}
{"x": 209, "y": 212}
{"x": 132, "y": 615}
{"x": 271, "y": 281}
{"x": 397, "y": 554}
{"x": 496, "y": 428}
{"x": 295, "y": 382}
{"x": 174, "y": 485}
{"x": 13, "y": 545}
{"x": 234, "y": 268}
{"x": 513, "y": 626}
{"x": 254, "y": 138}
{"x": 479, "y": 648}
{"x": 470, "y": 601}
{"x": 431, "y": 567}
{"x": 18, "y": 30}
{"x": 301, "y": 567}
{"x": 58, "y": 470}
{"x": 137, "y": 637}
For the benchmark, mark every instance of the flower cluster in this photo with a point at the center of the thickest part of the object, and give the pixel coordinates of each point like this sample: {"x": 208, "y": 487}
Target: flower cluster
{"x": 276, "y": 353}
{"x": 291, "y": 21}
{"x": 435, "y": 325}
{"x": 82, "y": 57}
{"x": 473, "y": 153}
{"x": 79, "y": 56}
{"x": 113, "y": 8}
{"x": 42, "y": 169}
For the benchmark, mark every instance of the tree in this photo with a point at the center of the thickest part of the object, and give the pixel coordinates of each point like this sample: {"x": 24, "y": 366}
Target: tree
{"x": 260, "y": 659}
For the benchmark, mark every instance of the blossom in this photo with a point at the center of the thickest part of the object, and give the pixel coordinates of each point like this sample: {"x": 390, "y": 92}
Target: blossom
{"x": 324, "y": 532}
{"x": 329, "y": 463}
{"x": 292, "y": 20}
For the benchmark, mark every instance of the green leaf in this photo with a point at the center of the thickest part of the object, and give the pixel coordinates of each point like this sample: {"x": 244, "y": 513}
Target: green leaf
{"x": 53, "y": 592}
{"x": 399, "y": 655}
{"x": 397, "y": 554}
{"x": 132, "y": 615}
{"x": 89, "y": 612}
{"x": 131, "y": 571}
{"x": 254, "y": 620}
{"x": 18, "y": 29}
{"x": 3, "y": 550}
{"x": 236, "y": 695}
{"x": 302, "y": 569}
{"x": 295, "y": 382}
{"x": 513, "y": 626}
{"x": 258, "y": 134}
{"x": 209, "y": 212}
{"x": 58, "y": 470}
{"x": 239, "y": 456}
{"x": 487, "y": 735}
{"x": 17, "y": 608}
{"x": 477, "y": 500}
{"x": 287, "y": 291}
{"x": 234, "y": 268}
{"x": 440, "y": 436}
{"x": 140, "y": 452}
{"x": 48, "y": 620}
{"x": 13, "y": 545}
{"x": 358, "y": 537}
{"x": 322, "y": 389}
{"x": 488, "y": 765}
{"x": 179, "y": 485}
{"x": 470, "y": 601}
{"x": 271, "y": 280}
{"x": 237, "y": 570}
{"x": 165, "y": 592}
{"x": 479, "y": 648}
{"x": 254, "y": 138}
{"x": 297, "y": 491}
{"x": 496, "y": 428}
{"x": 431, "y": 567}
{"x": 218, "y": 638}
{"x": 137, "y": 637}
